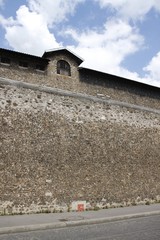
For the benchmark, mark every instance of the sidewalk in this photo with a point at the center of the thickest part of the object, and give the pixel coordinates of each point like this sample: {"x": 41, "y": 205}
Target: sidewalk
{"x": 22, "y": 223}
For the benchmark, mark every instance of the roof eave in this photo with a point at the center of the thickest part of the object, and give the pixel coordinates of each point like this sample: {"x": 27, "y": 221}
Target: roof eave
{"x": 47, "y": 52}
{"x": 116, "y": 76}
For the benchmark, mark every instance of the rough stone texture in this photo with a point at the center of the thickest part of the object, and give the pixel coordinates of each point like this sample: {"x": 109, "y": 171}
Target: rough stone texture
{"x": 85, "y": 81}
{"x": 58, "y": 149}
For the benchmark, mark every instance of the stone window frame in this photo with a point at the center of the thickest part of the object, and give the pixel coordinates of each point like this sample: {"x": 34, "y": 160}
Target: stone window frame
{"x": 23, "y": 64}
{"x": 40, "y": 67}
{"x": 63, "y": 68}
{"x": 5, "y": 60}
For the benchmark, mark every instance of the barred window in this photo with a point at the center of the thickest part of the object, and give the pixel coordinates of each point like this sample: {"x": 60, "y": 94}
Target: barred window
{"x": 63, "y": 68}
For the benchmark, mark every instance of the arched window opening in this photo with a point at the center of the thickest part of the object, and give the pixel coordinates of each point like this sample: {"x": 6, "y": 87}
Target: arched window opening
{"x": 63, "y": 68}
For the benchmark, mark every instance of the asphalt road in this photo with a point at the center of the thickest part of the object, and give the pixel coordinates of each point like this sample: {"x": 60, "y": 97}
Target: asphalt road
{"x": 144, "y": 228}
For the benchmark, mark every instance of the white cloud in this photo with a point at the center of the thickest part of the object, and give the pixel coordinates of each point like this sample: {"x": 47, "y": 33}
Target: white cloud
{"x": 106, "y": 50}
{"x": 103, "y": 49}
{"x": 153, "y": 69}
{"x": 131, "y": 9}
{"x": 29, "y": 31}
{"x": 53, "y": 11}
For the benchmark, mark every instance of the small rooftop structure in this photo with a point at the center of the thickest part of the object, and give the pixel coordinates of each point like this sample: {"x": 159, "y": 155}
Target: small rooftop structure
{"x": 52, "y": 52}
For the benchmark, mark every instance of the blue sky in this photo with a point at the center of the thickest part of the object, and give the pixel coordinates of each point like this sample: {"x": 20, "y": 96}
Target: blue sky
{"x": 121, "y": 37}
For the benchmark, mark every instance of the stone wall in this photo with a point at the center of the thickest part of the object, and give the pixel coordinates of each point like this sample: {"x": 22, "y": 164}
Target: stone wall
{"x": 57, "y": 149}
{"x": 87, "y": 81}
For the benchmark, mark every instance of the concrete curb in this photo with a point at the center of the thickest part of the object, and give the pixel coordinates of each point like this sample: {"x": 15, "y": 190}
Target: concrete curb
{"x": 36, "y": 227}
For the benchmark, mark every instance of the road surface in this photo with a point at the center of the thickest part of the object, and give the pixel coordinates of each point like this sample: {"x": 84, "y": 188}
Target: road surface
{"x": 143, "y": 228}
